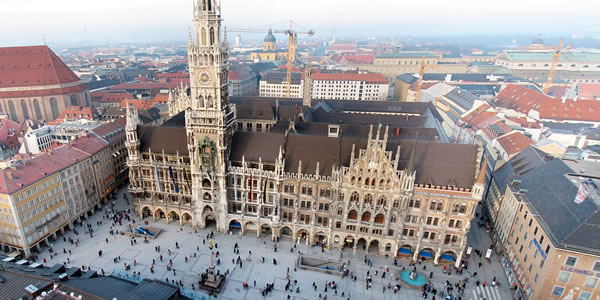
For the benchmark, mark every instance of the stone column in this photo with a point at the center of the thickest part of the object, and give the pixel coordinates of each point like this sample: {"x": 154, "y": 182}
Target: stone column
{"x": 437, "y": 257}
{"x": 458, "y": 260}
{"x": 416, "y": 255}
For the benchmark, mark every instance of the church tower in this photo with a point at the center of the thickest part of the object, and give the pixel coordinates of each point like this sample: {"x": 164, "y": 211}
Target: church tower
{"x": 210, "y": 119}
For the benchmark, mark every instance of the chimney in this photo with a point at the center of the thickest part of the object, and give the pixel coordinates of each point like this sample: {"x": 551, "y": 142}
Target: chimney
{"x": 10, "y": 175}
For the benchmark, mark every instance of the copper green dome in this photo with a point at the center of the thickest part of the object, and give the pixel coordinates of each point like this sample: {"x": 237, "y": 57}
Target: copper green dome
{"x": 270, "y": 37}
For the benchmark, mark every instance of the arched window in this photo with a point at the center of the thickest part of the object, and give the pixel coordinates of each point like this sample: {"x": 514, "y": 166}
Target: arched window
{"x": 203, "y": 37}
{"x": 352, "y": 215}
{"x": 340, "y": 211}
{"x": 354, "y": 198}
{"x": 368, "y": 200}
{"x": 366, "y": 216}
{"x": 11, "y": 110}
{"x": 382, "y": 201}
{"x": 396, "y": 203}
{"x": 54, "y": 108}
{"x": 367, "y": 181}
{"x": 212, "y": 36}
{"x": 432, "y": 206}
{"x": 24, "y": 109}
{"x": 73, "y": 100}
{"x": 379, "y": 219}
{"x": 440, "y": 206}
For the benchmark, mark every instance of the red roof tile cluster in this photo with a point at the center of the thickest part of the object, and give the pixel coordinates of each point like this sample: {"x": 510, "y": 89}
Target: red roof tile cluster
{"x": 108, "y": 96}
{"x": 524, "y": 122}
{"x": 9, "y": 132}
{"x": 557, "y": 91}
{"x": 524, "y": 99}
{"x": 358, "y": 59}
{"x": 589, "y": 91}
{"x": 145, "y": 86}
{"x": 110, "y": 131}
{"x": 176, "y": 75}
{"x": 74, "y": 113}
{"x": 514, "y": 142}
{"x": 30, "y": 169}
{"x": 240, "y": 74}
{"x": 33, "y": 66}
{"x": 341, "y": 47}
{"x": 372, "y": 78}
{"x": 137, "y": 103}
{"x": 160, "y": 98}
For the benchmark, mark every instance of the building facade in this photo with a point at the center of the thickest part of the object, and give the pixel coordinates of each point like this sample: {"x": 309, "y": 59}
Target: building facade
{"x": 36, "y": 84}
{"x": 377, "y": 194}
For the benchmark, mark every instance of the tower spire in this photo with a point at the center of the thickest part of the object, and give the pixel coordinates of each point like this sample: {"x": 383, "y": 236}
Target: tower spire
{"x": 411, "y": 162}
{"x": 307, "y": 97}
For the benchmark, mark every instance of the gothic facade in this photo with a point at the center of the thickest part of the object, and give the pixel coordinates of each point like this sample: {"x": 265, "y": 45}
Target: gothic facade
{"x": 377, "y": 192}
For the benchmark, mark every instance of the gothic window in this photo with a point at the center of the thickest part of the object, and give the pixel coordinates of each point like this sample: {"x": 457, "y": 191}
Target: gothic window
{"x": 54, "y": 108}
{"x": 203, "y": 37}
{"x": 379, "y": 219}
{"x": 352, "y": 215}
{"x": 209, "y": 5}
{"x": 367, "y": 181}
{"x": 36, "y": 108}
{"x": 440, "y": 206}
{"x": 396, "y": 203}
{"x": 393, "y": 219}
{"x": 368, "y": 200}
{"x": 73, "y": 100}
{"x": 340, "y": 211}
{"x": 373, "y": 182}
{"x": 432, "y": 206}
{"x": 212, "y": 38}
{"x": 206, "y": 183}
{"x": 366, "y": 216}
{"x": 381, "y": 183}
{"x": 204, "y": 4}
{"x": 12, "y": 111}
{"x": 382, "y": 201}
{"x": 24, "y": 109}
{"x": 354, "y": 198}
{"x": 211, "y": 58}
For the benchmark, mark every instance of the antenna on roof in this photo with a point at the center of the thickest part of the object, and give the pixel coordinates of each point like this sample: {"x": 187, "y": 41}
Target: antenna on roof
{"x": 44, "y": 38}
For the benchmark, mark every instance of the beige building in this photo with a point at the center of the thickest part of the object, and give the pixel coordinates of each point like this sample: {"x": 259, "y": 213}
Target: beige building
{"x": 546, "y": 226}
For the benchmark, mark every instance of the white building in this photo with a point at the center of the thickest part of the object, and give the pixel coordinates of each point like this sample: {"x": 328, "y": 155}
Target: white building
{"x": 343, "y": 86}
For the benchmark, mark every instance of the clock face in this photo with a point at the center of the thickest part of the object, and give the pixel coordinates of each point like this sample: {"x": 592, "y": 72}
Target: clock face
{"x": 204, "y": 78}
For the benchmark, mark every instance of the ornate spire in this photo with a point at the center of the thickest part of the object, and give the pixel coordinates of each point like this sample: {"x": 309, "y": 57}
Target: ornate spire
{"x": 411, "y": 162}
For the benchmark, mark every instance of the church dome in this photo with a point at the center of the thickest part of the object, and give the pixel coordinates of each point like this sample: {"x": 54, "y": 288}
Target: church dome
{"x": 538, "y": 40}
{"x": 270, "y": 38}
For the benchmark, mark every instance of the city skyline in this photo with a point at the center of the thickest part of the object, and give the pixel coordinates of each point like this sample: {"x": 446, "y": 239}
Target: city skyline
{"x": 69, "y": 21}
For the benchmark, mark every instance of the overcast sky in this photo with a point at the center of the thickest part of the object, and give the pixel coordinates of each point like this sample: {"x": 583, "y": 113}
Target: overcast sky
{"x": 26, "y": 22}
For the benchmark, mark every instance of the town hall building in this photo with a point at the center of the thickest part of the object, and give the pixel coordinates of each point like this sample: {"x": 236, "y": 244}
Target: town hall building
{"x": 384, "y": 183}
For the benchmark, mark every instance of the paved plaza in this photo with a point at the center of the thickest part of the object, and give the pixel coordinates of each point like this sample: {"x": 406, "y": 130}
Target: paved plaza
{"x": 257, "y": 274}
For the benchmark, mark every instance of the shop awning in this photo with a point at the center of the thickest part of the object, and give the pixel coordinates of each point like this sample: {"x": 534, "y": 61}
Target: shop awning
{"x": 425, "y": 254}
{"x": 235, "y": 225}
{"x": 405, "y": 251}
{"x": 447, "y": 257}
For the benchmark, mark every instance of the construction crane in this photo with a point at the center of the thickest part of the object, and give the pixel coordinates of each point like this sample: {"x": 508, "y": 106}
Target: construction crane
{"x": 291, "y": 55}
{"x": 548, "y": 83}
{"x": 420, "y": 80}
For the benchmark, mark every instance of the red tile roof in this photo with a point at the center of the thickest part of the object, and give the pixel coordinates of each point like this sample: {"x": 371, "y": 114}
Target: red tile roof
{"x": 557, "y": 91}
{"x": 524, "y": 99}
{"x": 358, "y": 59}
{"x": 110, "y": 131}
{"x": 589, "y": 91}
{"x": 476, "y": 113}
{"x": 33, "y": 66}
{"x": 137, "y": 103}
{"x": 514, "y": 142}
{"x": 145, "y": 85}
{"x": 160, "y": 98}
{"x": 342, "y": 47}
{"x": 74, "y": 113}
{"x": 9, "y": 132}
{"x": 178, "y": 75}
{"x": 368, "y": 77}
{"x": 108, "y": 96}
{"x": 89, "y": 144}
{"x": 32, "y": 169}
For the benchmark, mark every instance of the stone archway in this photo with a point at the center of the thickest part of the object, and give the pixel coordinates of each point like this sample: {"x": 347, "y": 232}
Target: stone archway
{"x": 186, "y": 218}
{"x": 426, "y": 254}
{"x": 250, "y": 227}
{"x": 321, "y": 238}
{"x": 235, "y": 226}
{"x": 302, "y": 236}
{"x": 266, "y": 230}
{"x": 173, "y": 216}
{"x": 361, "y": 244}
{"x": 349, "y": 241}
{"x": 159, "y": 214}
{"x": 286, "y": 232}
{"x": 146, "y": 212}
{"x": 448, "y": 257}
{"x": 405, "y": 251}
{"x": 373, "y": 247}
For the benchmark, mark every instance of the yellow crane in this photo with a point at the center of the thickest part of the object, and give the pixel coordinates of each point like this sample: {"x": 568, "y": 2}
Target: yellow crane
{"x": 420, "y": 79}
{"x": 555, "y": 60}
{"x": 291, "y": 55}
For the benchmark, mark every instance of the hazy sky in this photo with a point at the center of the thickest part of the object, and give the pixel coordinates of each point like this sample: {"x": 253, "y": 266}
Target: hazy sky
{"x": 26, "y": 22}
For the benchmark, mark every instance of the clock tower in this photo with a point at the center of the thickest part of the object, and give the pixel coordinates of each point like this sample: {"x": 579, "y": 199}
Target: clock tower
{"x": 210, "y": 119}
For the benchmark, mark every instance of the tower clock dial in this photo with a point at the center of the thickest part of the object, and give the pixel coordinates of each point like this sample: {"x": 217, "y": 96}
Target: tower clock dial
{"x": 204, "y": 78}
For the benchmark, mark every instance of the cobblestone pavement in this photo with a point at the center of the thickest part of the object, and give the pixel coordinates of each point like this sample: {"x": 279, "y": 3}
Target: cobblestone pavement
{"x": 192, "y": 247}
